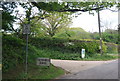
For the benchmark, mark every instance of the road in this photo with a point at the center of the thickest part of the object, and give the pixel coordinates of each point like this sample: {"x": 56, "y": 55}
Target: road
{"x": 103, "y": 71}
{"x": 72, "y": 66}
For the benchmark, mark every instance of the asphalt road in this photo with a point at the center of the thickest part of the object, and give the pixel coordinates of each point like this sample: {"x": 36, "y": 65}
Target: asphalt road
{"x": 104, "y": 71}
{"x": 74, "y": 66}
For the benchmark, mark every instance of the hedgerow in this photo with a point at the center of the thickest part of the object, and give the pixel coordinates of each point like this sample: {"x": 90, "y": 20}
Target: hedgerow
{"x": 68, "y": 45}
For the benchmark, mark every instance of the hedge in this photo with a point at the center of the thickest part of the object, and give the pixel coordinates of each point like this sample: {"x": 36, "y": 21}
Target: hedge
{"x": 68, "y": 45}
{"x": 111, "y": 47}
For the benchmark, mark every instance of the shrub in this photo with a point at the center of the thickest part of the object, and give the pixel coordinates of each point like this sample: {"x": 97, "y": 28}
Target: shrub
{"x": 111, "y": 47}
{"x": 51, "y": 43}
{"x": 90, "y": 47}
{"x": 68, "y": 45}
{"x": 11, "y": 52}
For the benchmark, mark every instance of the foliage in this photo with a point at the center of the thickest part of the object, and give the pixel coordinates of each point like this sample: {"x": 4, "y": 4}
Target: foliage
{"x": 98, "y": 57}
{"x": 37, "y": 29}
{"x": 50, "y": 6}
{"x": 51, "y": 25}
{"x": 47, "y": 42}
{"x": 73, "y": 6}
{"x": 91, "y": 46}
{"x": 14, "y": 52}
{"x": 7, "y": 17}
{"x": 69, "y": 45}
{"x": 14, "y": 61}
{"x": 12, "y": 47}
{"x": 111, "y": 47}
{"x": 109, "y": 35}
{"x": 74, "y": 33}
{"x": 95, "y": 35}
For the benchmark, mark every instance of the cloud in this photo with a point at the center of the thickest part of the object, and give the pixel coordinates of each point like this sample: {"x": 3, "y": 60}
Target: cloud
{"x": 90, "y": 23}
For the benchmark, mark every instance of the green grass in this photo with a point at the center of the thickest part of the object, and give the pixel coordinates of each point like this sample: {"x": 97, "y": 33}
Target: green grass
{"x": 74, "y": 56}
{"x": 47, "y": 73}
{"x": 34, "y": 72}
{"x": 14, "y": 61}
{"x": 98, "y": 57}
{"x": 42, "y": 72}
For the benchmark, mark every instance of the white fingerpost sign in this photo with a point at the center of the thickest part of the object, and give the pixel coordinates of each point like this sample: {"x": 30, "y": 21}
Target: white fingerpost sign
{"x": 83, "y": 53}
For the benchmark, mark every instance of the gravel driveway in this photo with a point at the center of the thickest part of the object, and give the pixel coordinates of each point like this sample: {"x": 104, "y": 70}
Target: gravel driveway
{"x": 73, "y": 66}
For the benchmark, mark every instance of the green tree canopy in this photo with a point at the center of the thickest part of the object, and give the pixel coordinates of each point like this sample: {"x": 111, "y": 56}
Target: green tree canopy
{"x": 7, "y": 17}
{"x": 49, "y": 26}
{"x": 74, "y": 33}
{"x": 74, "y": 6}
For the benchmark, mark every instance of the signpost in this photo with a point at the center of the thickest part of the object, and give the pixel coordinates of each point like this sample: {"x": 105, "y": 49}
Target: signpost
{"x": 26, "y": 30}
{"x": 83, "y": 53}
{"x": 43, "y": 61}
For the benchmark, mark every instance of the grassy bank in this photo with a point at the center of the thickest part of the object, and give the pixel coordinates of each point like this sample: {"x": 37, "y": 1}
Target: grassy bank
{"x": 14, "y": 61}
{"x": 34, "y": 72}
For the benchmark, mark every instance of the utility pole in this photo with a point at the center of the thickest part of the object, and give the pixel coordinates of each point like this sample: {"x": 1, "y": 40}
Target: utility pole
{"x": 100, "y": 35}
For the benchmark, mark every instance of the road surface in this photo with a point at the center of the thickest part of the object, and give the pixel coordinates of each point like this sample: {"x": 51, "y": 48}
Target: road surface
{"x": 72, "y": 66}
{"x": 103, "y": 71}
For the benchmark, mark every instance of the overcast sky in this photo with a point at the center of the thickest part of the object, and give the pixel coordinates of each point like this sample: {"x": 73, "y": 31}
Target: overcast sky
{"x": 90, "y": 23}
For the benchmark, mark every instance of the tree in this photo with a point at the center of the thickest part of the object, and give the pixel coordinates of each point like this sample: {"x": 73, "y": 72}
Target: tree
{"x": 110, "y": 35}
{"x": 54, "y": 23}
{"x": 36, "y": 28}
{"x": 74, "y": 6}
{"x": 74, "y": 33}
{"x": 7, "y": 17}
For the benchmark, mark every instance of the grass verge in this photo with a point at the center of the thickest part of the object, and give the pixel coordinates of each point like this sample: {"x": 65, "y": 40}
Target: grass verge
{"x": 13, "y": 62}
{"x": 34, "y": 72}
{"x": 75, "y": 56}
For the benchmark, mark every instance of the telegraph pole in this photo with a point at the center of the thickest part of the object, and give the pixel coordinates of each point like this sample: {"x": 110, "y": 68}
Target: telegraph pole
{"x": 100, "y": 35}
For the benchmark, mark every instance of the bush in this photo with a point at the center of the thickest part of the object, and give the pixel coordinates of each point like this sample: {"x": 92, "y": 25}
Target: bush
{"x": 111, "y": 47}
{"x": 51, "y": 43}
{"x": 11, "y": 52}
{"x": 67, "y": 45}
{"x": 91, "y": 47}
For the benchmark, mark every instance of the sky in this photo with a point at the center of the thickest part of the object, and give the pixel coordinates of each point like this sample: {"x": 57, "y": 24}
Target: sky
{"x": 89, "y": 22}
